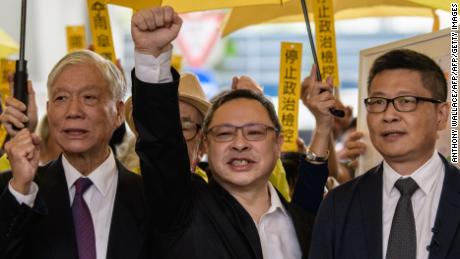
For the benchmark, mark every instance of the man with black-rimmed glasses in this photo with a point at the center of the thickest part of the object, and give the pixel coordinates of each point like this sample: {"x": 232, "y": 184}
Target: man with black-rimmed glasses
{"x": 409, "y": 205}
{"x": 239, "y": 214}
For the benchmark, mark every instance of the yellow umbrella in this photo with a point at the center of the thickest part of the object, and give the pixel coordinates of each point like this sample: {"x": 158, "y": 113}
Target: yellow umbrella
{"x": 435, "y": 4}
{"x": 7, "y": 45}
{"x": 183, "y": 6}
{"x": 241, "y": 17}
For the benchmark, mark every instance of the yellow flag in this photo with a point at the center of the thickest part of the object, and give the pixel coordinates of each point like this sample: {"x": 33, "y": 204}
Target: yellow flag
{"x": 289, "y": 92}
{"x": 76, "y": 39}
{"x": 325, "y": 39}
{"x": 100, "y": 29}
{"x": 7, "y": 45}
{"x": 6, "y": 67}
{"x": 176, "y": 62}
{"x": 279, "y": 179}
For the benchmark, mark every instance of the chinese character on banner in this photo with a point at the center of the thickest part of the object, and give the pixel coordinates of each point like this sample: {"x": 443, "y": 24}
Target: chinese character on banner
{"x": 76, "y": 39}
{"x": 289, "y": 87}
{"x": 100, "y": 22}
{"x": 289, "y": 93}
{"x": 101, "y": 31}
{"x": 325, "y": 39}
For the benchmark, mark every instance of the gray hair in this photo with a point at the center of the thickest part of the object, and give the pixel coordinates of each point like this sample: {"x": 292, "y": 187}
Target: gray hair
{"x": 112, "y": 75}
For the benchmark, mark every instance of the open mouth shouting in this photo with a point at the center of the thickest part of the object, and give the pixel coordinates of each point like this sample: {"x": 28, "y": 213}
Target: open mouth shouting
{"x": 240, "y": 164}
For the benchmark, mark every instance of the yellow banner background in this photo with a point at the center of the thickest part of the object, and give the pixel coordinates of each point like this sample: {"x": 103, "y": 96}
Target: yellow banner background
{"x": 76, "y": 38}
{"x": 100, "y": 29}
{"x": 289, "y": 93}
{"x": 325, "y": 39}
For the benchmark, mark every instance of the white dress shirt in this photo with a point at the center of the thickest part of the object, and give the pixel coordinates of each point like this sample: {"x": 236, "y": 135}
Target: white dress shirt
{"x": 100, "y": 197}
{"x": 276, "y": 231}
{"x": 152, "y": 69}
{"x": 425, "y": 201}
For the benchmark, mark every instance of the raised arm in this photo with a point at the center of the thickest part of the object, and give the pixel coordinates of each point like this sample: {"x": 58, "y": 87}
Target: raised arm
{"x": 318, "y": 98}
{"x": 160, "y": 146}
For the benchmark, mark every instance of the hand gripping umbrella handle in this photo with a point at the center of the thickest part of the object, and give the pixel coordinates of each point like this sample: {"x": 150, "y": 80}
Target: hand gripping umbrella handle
{"x": 335, "y": 112}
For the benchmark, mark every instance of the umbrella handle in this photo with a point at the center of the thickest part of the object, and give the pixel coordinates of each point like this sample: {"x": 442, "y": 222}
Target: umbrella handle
{"x": 333, "y": 111}
{"x": 20, "y": 83}
{"x": 21, "y": 76}
{"x": 310, "y": 38}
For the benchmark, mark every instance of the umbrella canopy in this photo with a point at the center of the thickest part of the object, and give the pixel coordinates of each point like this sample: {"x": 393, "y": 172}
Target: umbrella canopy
{"x": 7, "y": 45}
{"x": 435, "y": 4}
{"x": 241, "y": 17}
{"x": 183, "y": 6}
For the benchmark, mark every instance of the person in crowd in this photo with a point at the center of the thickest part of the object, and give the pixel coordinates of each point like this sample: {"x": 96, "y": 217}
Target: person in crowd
{"x": 84, "y": 204}
{"x": 193, "y": 106}
{"x": 409, "y": 205}
{"x": 339, "y": 125}
{"x": 286, "y": 173}
{"x": 349, "y": 152}
{"x": 238, "y": 214}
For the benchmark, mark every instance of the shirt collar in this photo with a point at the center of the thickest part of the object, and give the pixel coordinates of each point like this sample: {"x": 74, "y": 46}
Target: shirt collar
{"x": 275, "y": 201}
{"x": 98, "y": 176}
{"x": 424, "y": 176}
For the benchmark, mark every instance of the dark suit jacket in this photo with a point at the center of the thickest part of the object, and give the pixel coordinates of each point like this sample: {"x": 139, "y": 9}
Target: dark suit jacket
{"x": 47, "y": 231}
{"x": 349, "y": 221}
{"x": 194, "y": 219}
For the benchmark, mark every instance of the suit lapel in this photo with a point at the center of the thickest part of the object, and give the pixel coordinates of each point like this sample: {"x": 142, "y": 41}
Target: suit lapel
{"x": 126, "y": 228}
{"x": 370, "y": 196}
{"x": 242, "y": 221}
{"x": 447, "y": 218}
{"x": 59, "y": 222}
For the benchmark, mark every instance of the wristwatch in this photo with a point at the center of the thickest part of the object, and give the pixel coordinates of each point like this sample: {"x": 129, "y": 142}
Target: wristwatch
{"x": 313, "y": 157}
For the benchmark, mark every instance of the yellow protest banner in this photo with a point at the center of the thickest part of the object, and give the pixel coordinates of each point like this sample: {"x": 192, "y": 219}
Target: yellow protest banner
{"x": 100, "y": 29}
{"x": 289, "y": 93}
{"x": 325, "y": 39}
{"x": 76, "y": 38}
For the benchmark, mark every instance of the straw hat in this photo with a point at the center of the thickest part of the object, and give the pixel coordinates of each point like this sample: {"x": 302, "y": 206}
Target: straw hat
{"x": 190, "y": 92}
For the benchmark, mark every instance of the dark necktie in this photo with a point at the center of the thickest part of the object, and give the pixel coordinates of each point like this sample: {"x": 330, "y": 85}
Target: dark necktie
{"x": 83, "y": 223}
{"x": 402, "y": 243}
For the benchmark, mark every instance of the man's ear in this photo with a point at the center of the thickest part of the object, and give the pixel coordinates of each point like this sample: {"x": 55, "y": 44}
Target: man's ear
{"x": 204, "y": 146}
{"x": 120, "y": 113}
{"x": 443, "y": 115}
{"x": 279, "y": 143}
{"x": 201, "y": 148}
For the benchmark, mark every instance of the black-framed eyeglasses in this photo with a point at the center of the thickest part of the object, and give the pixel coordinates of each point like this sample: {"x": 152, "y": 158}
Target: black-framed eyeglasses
{"x": 251, "y": 132}
{"x": 404, "y": 103}
{"x": 190, "y": 129}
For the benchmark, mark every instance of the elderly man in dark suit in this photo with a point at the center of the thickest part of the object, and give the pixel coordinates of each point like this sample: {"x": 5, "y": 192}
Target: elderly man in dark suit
{"x": 85, "y": 204}
{"x": 239, "y": 214}
{"x": 409, "y": 205}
